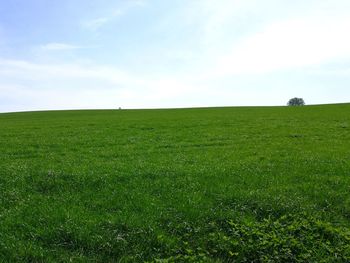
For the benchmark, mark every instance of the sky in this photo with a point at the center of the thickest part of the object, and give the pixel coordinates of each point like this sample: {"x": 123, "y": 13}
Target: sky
{"x": 106, "y": 54}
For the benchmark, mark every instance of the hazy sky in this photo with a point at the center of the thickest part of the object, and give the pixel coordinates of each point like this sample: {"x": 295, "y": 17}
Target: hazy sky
{"x": 69, "y": 54}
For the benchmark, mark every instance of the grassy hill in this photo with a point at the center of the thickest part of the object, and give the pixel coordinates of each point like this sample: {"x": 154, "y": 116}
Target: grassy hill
{"x": 210, "y": 185}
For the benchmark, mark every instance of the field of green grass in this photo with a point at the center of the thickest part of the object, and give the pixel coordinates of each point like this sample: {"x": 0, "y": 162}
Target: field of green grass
{"x": 250, "y": 184}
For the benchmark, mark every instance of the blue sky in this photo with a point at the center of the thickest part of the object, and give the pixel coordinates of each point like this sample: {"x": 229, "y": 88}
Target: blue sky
{"x": 73, "y": 54}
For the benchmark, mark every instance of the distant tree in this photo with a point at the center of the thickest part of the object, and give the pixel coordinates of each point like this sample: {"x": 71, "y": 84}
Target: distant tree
{"x": 296, "y": 102}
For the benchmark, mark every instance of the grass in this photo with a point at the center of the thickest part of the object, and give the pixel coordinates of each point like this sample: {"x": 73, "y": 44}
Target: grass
{"x": 250, "y": 184}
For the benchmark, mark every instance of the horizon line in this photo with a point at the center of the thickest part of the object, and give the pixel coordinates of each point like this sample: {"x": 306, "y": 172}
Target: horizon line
{"x": 171, "y": 108}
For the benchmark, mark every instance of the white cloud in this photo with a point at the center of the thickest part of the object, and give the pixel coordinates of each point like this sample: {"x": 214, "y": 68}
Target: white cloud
{"x": 135, "y": 3}
{"x": 48, "y": 86}
{"x": 95, "y": 24}
{"x": 290, "y": 44}
{"x": 232, "y": 37}
{"x": 58, "y": 46}
{"x": 34, "y": 71}
{"x": 340, "y": 72}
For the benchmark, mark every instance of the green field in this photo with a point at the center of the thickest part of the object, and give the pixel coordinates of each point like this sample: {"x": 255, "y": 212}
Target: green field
{"x": 248, "y": 184}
